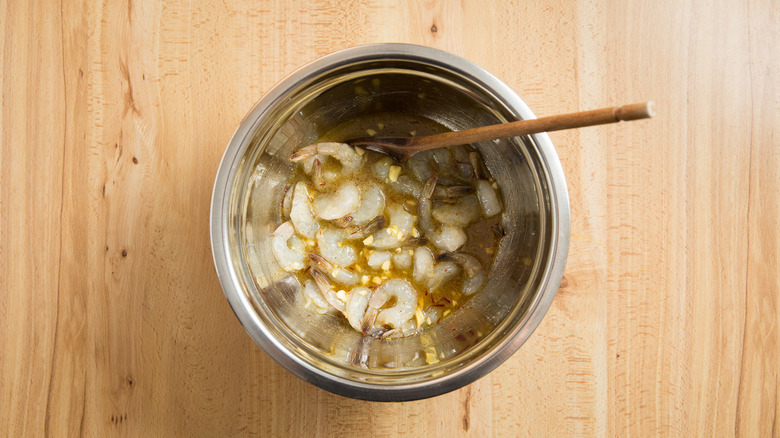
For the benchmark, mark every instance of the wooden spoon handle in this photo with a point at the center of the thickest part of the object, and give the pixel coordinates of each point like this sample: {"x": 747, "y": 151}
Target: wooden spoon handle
{"x": 533, "y": 126}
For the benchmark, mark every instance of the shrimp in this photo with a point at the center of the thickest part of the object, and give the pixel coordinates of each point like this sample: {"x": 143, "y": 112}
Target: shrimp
{"x": 358, "y": 354}
{"x": 378, "y": 258}
{"x": 498, "y": 230}
{"x": 329, "y": 240}
{"x": 479, "y": 166}
{"x": 425, "y": 205}
{"x": 350, "y": 159}
{"x": 415, "y": 242}
{"x": 287, "y": 201}
{"x": 401, "y": 224}
{"x": 488, "y": 198}
{"x": 407, "y": 185}
{"x": 356, "y": 306}
{"x": 316, "y": 174}
{"x": 331, "y": 296}
{"x": 300, "y": 212}
{"x": 372, "y": 204}
{"x": 342, "y": 202}
{"x": 408, "y": 329}
{"x": 288, "y": 249}
{"x": 358, "y": 232}
{"x": 442, "y": 158}
{"x": 313, "y": 295}
{"x": 428, "y": 272}
{"x": 339, "y": 275}
{"x": 452, "y": 192}
{"x": 448, "y": 237}
{"x": 402, "y": 260}
{"x": 382, "y": 167}
{"x": 322, "y": 177}
{"x": 440, "y": 274}
{"x": 462, "y": 164}
{"x": 423, "y": 263}
{"x": 460, "y": 214}
{"x": 433, "y": 314}
{"x": 309, "y": 162}
{"x": 420, "y": 166}
{"x": 399, "y": 313}
{"x": 472, "y": 270}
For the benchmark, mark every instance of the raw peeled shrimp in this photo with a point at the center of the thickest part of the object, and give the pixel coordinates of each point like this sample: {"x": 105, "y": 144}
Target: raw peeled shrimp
{"x": 287, "y": 201}
{"x": 397, "y": 315}
{"x": 425, "y": 205}
{"x": 428, "y": 272}
{"x": 391, "y": 218}
{"x": 472, "y": 269}
{"x": 356, "y": 306}
{"x": 420, "y": 166}
{"x": 378, "y": 258}
{"x": 488, "y": 198}
{"x": 372, "y": 204}
{"x": 447, "y": 237}
{"x": 382, "y": 167}
{"x": 462, "y": 165}
{"x": 334, "y": 249}
{"x": 308, "y": 162}
{"x": 423, "y": 263}
{"x": 337, "y": 274}
{"x": 350, "y": 159}
{"x": 342, "y": 202}
{"x": 402, "y": 260}
{"x": 328, "y": 293}
{"x": 408, "y": 329}
{"x": 312, "y": 294}
{"x": 407, "y": 186}
{"x": 300, "y": 212}
{"x": 441, "y": 273}
{"x": 442, "y": 158}
{"x": 460, "y": 214}
{"x": 321, "y": 177}
{"x": 394, "y": 235}
{"x": 288, "y": 249}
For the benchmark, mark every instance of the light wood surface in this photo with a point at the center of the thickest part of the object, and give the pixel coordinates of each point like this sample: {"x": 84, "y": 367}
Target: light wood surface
{"x": 114, "y": 119}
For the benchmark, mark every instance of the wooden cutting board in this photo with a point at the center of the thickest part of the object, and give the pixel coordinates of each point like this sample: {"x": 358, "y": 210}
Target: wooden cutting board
{"x": 115, "y": 116}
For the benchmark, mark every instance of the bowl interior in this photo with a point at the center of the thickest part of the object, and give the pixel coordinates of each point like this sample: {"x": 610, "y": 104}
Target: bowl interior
{"x": 304, "y": 113}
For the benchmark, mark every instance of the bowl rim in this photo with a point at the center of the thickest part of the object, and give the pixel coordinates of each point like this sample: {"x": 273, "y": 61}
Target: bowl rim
{"x": 239, "y": 302}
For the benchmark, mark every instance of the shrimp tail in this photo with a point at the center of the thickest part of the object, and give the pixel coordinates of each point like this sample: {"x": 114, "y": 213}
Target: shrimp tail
{"x": 303, "y": 153}
{"x": 316, "y": 174}
{"x": 320, "y": 262}
{"x": 375, "y": 225}
{"x": 327, "y": 290}
{"x": 429, "y": 187}
{"x": 344, "y": 222}
{"x": 478, "y": 165}
{"x": 470, "y": 264}
{"x": 415, "y": 242}
{"x": 368, "y": 320}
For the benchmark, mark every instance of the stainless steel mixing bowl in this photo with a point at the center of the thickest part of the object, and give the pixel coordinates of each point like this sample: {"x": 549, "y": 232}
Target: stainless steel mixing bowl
{"x": 322, "y": 349}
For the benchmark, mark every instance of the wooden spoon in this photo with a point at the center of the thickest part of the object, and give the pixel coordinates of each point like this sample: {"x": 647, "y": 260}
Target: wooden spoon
{"x": 402, "y": 148}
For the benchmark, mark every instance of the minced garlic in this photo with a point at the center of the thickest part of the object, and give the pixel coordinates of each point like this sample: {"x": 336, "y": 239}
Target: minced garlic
{"x": 394, "y": 173}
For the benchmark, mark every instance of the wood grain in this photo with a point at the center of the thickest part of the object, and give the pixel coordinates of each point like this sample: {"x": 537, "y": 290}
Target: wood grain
{"x": 114, "y": 118}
